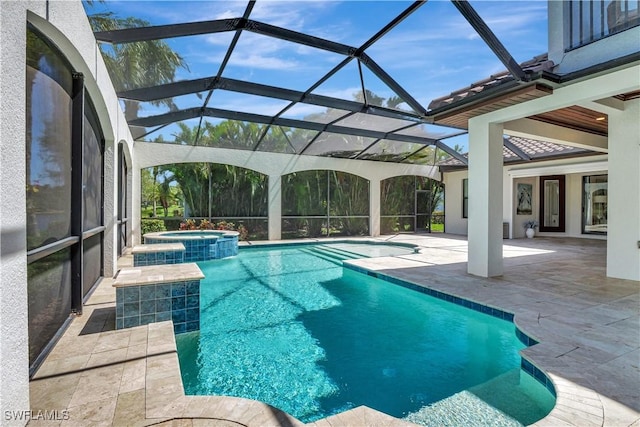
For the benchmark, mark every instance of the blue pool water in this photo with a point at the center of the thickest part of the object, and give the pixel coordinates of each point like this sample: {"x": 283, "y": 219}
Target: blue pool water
{"x": 292, "y": 328}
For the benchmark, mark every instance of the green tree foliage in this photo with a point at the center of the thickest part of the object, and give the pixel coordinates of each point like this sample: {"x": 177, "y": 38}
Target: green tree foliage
{"x": 136, "y": 65}
{"x": 148, "y": 187}
{"x": 193, "y": 179}
{"x": 305, "y": 194}
{"x": 152, "y": 226}
{"x": 167, "y": 193}
{"x": 337, "y": 197}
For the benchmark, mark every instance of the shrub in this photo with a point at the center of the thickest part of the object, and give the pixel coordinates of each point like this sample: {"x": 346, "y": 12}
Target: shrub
{"x": 152, "y": 226}
{"x": 190, "y": 224}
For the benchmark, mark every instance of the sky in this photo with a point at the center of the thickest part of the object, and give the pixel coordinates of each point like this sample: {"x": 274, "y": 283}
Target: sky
{"x": 430, "y": 54}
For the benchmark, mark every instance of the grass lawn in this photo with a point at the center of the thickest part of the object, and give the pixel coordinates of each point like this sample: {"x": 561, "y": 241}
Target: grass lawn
{"x": 437, "y": 228}
{"x": 146, "y": 212}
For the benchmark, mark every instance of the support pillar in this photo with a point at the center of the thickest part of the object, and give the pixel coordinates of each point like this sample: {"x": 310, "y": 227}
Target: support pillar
{"x": 111, "y": 237}
{"x": 374, "y": 207}
{"x": 485, "y": 199}
{"x": 623, "y": 233}
{"x": 136, "y": 197}
{"x": 275, "y": 207}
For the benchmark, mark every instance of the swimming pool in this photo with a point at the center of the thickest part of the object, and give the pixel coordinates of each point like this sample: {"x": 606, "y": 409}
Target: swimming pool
{"x": 292, "y": 328}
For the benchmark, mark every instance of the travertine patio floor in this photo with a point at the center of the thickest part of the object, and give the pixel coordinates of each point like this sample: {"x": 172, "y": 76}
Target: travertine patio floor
{"x": 588, "y": 327}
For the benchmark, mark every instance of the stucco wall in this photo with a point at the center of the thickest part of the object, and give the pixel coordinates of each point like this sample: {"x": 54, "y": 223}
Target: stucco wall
{"x": 274, "y": 165}
{"x": 64, "y": 23}
{"x": 529, "y": 174}
{"x": 14, "y": 359}
{"x": 601, "y": 51}
{"x": 454, "y": 223}
{"x": 152, "y": 154}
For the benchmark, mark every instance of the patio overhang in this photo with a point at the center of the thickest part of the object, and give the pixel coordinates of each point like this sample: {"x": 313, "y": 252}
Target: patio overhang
{"x": 468, "y": 105}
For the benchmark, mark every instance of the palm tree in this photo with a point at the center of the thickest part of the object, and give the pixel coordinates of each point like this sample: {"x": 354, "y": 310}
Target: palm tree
{"x": 136, "y": 65}
{"x": 166, "y": 194}
{"x": 155, "y": 172}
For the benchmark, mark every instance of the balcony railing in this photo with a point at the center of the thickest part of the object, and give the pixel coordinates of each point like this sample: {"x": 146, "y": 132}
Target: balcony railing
{"x": 591, "y": 20}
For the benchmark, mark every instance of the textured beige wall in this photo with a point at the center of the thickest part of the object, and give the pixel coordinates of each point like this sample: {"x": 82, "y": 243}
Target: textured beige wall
{"x": 64, "y": 23}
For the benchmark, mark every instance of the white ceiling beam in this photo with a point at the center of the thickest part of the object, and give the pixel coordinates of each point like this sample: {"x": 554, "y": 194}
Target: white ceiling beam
{"x": 605, "y": 106}
{"x": 535, "y": 129}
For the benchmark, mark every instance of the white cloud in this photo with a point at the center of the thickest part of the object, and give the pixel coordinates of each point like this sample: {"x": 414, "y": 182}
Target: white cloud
{"x": 301, "y": 110}
{"x": 246, "y": 103}
{"x": 262, "y": 62}
{"x": 346, "y": 93}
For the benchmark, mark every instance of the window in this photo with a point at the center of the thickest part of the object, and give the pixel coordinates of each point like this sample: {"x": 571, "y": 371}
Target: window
{"x": 50, "y": 243}
{"x": 594, "y": 204}
{"x": 64, "y": 193}
{"x": 465, "y": 198}
{"x": 123, "y": 201}
{"x": 591, "y": 20}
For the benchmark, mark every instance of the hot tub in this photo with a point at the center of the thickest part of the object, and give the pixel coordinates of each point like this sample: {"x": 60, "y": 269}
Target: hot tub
{"x": 200, "y": 245}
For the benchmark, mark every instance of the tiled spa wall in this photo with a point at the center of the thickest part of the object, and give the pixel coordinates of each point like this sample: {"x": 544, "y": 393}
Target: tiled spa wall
{"x": 156, "y": 258}
{"x": 142, "y": 304}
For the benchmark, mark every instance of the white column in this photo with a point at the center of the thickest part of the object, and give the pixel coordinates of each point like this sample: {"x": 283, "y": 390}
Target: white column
{"x": 136, "y": 197}
{"x": 374, "y": 207}
{"x": 623, "y": 235}
{"x": 129, "y": 206}
{"x": 485, "y": 199}
{"x": 275, "y": 207}
{"x": 110, "y": 207}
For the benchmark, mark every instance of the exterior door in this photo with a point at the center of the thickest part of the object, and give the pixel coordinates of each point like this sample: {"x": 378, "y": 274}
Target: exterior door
{"x": 552, "y": 203}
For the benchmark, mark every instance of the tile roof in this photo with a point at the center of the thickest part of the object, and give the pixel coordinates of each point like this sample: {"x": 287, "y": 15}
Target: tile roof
{"x": 537, "y": 150}
{"x": 537, "y": 64}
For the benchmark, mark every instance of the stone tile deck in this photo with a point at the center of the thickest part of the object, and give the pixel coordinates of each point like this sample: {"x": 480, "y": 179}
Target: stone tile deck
{"x": 588, "y": 327}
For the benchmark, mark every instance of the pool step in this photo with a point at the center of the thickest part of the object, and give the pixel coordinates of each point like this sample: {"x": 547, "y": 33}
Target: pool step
{"x": 462, "y": 408}
{"x": 344, "y": 254}
{"x": 324, "y": 255}
{"x": 333, "y": 255}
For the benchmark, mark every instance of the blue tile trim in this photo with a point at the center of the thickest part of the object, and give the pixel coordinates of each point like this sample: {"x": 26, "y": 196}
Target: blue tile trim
{"x": 158, "y": 302}
{"x": 538, "y": 375}
{"x": 158, "y": 258}
{"x": 491, "y": 311}
{"x": 524, "y": 338}
{"x": 322, "y": 241}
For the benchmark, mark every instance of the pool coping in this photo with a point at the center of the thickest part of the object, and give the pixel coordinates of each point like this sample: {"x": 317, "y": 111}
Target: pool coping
{"x": 157, "y": 274}
{"x": 158, "y": 247}
{"x": 170, "y": 235}
{"x": 310, "y": 241}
